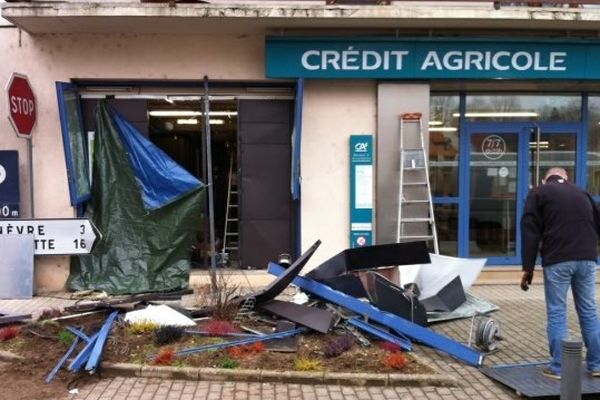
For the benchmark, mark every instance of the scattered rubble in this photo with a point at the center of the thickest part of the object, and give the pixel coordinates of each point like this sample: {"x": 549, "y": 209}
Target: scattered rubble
{"x": 332, "y": 323}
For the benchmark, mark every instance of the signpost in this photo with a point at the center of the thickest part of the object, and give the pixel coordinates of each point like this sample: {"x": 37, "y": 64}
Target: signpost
{"x": 22, "y": 115}
{"x": 67, "y": 236}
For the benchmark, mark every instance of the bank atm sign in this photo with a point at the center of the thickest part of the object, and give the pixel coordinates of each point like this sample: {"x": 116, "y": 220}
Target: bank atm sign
{"x": 429, "y": 59}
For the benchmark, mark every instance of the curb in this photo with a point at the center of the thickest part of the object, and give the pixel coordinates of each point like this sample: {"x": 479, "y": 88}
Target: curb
{"x": 265, "y": 376}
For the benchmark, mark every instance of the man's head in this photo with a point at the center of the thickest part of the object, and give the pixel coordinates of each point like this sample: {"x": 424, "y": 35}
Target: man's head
{"x": 556, "y": 171}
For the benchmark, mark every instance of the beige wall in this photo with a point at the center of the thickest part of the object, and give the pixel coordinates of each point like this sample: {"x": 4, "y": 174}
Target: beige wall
{"x": 50, "y": 58}
{"x": 394, "y": 99}
{"x": 333, "y": 110}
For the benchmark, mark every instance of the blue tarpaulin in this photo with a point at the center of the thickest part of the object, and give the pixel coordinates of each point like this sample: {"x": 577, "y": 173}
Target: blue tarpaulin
{"x": 160, "y": 178}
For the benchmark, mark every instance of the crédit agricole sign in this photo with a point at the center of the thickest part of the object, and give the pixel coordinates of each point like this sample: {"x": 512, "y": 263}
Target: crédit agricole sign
{"x": 390, "y": 58}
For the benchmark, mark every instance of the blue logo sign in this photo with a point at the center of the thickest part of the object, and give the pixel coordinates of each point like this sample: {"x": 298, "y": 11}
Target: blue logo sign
{"x": 361, "y": 190}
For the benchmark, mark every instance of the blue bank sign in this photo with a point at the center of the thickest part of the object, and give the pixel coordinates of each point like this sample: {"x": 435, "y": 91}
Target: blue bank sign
{"x": 391, "y": 58}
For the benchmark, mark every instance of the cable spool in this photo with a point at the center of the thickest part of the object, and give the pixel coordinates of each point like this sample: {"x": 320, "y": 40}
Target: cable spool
{"x": 486, "y": 333}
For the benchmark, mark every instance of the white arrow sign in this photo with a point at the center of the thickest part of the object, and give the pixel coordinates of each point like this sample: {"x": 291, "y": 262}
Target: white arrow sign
{"x": 54, "y": 236}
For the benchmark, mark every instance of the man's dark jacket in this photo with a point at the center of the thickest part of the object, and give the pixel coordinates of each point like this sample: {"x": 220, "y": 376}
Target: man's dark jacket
{"x": 564, "y": 218}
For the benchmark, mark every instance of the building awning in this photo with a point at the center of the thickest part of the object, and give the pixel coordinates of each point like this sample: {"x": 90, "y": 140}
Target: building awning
{"x": 274, "y": 17}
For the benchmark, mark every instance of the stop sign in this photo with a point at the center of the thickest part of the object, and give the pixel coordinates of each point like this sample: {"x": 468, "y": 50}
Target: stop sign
{"x": 21, "y": 105}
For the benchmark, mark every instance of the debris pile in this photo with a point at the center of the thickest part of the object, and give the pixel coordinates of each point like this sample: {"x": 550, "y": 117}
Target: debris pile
{"x": 354, "y": 298}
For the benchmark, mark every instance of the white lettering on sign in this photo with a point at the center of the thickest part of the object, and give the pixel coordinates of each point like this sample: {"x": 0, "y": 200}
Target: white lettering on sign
{"x": 54, "y": 236}
{"x": 361, "y": 147}
{"x": 455, "y": 60}
{"x": 352, "y": 60}
{"x": 2, "y": 174}
{"x": 20, "y": 105}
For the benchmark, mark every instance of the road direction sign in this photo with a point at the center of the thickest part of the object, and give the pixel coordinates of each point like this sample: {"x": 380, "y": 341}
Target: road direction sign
{"x": 55, "y": 236}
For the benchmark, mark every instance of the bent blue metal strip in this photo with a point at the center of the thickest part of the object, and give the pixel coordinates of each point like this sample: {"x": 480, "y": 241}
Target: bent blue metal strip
{"x": 96, "y": 353}
{"x": 83, "y": 355}
{"x": 78, "y": 333}
{"x": 60, "y": 363}
{"x": 405, "y": 344}
{"x": 413, "y": 331}
{"x": 239, "y": 342}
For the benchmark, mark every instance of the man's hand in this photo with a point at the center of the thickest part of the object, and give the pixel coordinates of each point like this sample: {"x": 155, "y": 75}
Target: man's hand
{"x": 526, "y": 279}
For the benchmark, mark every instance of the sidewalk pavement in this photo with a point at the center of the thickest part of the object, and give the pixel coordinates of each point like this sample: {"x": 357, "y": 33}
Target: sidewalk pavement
{"x": 523, "y": 326}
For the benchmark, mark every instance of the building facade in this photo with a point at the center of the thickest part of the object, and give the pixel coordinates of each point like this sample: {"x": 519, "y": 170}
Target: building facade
{"x": 504, "y": 93}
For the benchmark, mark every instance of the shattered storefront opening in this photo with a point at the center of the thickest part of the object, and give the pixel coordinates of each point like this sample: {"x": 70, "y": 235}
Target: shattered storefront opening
{"x": 250, "y": 157}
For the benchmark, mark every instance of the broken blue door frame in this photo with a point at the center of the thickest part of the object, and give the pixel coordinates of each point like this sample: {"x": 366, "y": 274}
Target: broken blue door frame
{"x": 413, "y": 331}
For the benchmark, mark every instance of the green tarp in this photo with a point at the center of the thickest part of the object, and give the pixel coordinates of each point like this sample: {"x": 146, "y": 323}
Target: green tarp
{"x": 141, "y": 250}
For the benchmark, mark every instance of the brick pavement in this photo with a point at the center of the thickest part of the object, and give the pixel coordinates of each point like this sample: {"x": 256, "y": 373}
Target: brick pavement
{"x": 522, "y": 319}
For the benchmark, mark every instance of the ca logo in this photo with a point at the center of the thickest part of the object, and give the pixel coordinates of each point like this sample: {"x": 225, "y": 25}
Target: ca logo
{"x": 361, "y": 147}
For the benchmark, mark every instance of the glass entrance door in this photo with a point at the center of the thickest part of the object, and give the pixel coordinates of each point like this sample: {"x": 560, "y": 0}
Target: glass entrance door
{"x": 493, "y": 193}
{"x": 504, "y": 162}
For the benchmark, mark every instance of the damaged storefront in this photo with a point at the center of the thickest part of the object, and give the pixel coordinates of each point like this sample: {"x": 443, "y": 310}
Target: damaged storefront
{"x": 262, "y": 121}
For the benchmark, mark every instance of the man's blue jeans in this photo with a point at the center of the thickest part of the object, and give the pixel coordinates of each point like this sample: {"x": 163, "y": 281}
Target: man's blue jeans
{"x": 581, "y": 276}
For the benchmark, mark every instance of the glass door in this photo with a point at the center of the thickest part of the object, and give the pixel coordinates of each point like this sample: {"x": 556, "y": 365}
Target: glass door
{"x": 504, "y": 162}
{"x": 550, "y": 148}
{"x": 494, "y": 175}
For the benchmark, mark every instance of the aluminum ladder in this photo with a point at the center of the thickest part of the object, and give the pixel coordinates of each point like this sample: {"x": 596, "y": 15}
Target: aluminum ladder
{"x": 415, "y": 206}
{"x": 231, "y": 229}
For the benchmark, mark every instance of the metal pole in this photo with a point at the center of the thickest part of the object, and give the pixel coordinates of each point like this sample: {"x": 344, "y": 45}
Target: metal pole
{"x": 30, "y": 158}
{"x": 570, "y": 383}
{"x": 209, "y": 182}
{"x": 538, "y": 135}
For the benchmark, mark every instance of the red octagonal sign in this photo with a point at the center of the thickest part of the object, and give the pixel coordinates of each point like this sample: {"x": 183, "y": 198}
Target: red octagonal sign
{"x": 21, "y": 105}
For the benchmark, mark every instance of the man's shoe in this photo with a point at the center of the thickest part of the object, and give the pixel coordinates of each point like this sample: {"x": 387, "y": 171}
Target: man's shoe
{"x": 549, "y": 373}
{"x": 595, "y": 374}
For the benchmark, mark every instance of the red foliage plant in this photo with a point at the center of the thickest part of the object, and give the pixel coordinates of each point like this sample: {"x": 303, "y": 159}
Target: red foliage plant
{"x": 217, "y": 327}
{"x": 391, "y": 347}
{"x": 246, "y": 350}
{"x": 396, "y": 360}
{"x": 258, "y": 347}
{"x": 9, "y": 332}
{"x": 165, "y": 357}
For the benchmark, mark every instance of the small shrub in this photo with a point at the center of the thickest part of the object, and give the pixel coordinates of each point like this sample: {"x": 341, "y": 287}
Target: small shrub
{"x": 50, "y": 313}
{"x": 246, "y": 350}
{"x": 236, "y": 352}
{"x": 217, "y": 327}
{"x": 229, "y": 363}
{"x": 337, "y": 346}
{"x": 258, "y": 347}
{"x": 167, "y": 334}
{"x": 165, "y": 357}
{"x": 391, "y": 347}
{"x": 220, "y": 298}
{"x": 395, "y": 360}
{"x": 66, "y": 337}
{"x": 140, "y": 327}
{"x": 9, "y": 332}
{"x": 307, "y": 364}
